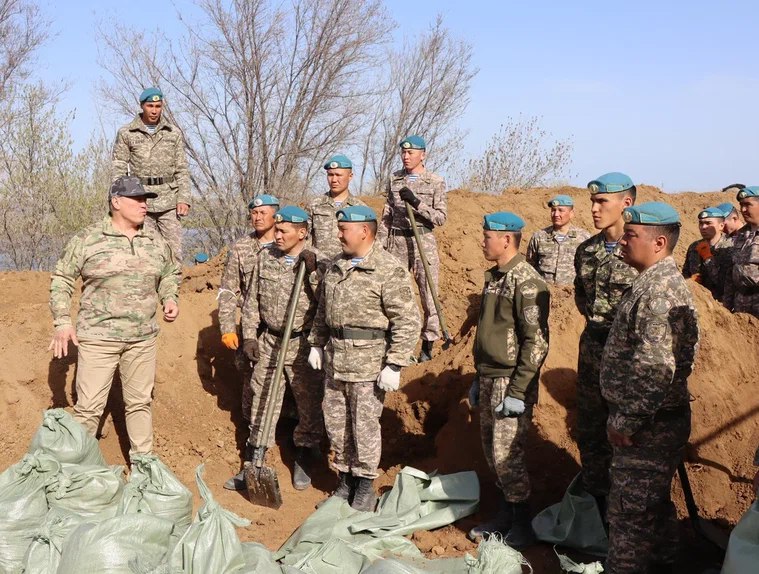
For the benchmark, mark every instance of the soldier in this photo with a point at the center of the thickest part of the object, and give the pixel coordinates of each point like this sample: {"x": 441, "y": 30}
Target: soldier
{"x": 368, "y": 323}
{"x": 235, "y": 280}
{"x": 509, "y": 349}
{"x": 644, "y": 378}
{"x": 264, "y": 315}
{"x": 701, "y": 262}
{"x": 152, "y": 149}
{"x": 324, "y": 207}
{"x": 733, "y": 222}
{"x": 425, "y": 192}
{"x": 126, "y": 270}
{"x": 742, "y": 276}
{"x": 552, "y": 250}
{"x": 602, "y": 278}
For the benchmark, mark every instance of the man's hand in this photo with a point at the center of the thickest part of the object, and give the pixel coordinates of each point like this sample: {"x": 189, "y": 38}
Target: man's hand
{"x": 389, "y": 378}
{"x": 170, "y": 310}
{"x": 250, "y": 349}
{"x": 408, "y": 196}
{"x": 60, "y": 343}
{"x": 510, "y": 407}
{"x": 316, "y": 358}
{"x": 616, "y": 438}
{"x": 230, "y": 340}
{"x": 474, "y": 393}
{"x": 309, "y": 260}
{"x": 704, "y": 250}
{"x": 183, "y": 209}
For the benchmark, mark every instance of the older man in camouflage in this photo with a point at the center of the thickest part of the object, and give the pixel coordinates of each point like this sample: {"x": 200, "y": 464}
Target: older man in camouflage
{"x": 552, "y": 250}
{"x": 152, "y": 149}
{"x": 701, "y": 261}
{"x": 510, "y": 347}
{"x": 368, "y": 323}
{"x": 648, "y": 357}
{"x": 426, "y": 193}
{"x": 324, "y": 207}
{"x": 742, "y": 274}
{"x": 601, "y": 280}
{"x": 126, "y": 271}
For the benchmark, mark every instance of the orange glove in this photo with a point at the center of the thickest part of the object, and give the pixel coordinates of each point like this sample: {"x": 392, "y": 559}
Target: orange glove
{"x": 230, "y": 340}
{"x": 696, "y": 277}
{"x": 704, "y": 250}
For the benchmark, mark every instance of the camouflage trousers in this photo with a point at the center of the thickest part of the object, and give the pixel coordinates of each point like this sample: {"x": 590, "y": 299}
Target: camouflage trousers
{"x": 592, "y": 414}
{"x": 504, "y": 440}
{"x": 642, "y": 518}
{"x": 306, "y": 384}
{"x": 748, "y": 303}
{"x": 246, "y": 373}
{"x": 351, "y": 415}
{"x": 404, "y": 248}
{"x": 169, "y": 226}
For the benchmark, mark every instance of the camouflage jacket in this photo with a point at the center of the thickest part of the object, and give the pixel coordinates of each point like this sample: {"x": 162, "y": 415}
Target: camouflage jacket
{"x": 235, "y": 279}
{"x": 123, "y": 282}
{"x": 161, "y": 154}
{"x": 651, "y": 348}
{"x": 555, "y": 260}
{"x": 600, "y": 281}
{"x": 512, "y": 331}
{"x": 375, "y": 294}
{"x": 322, "y": 212}
{"x": 742, "y": 276}
{"x": 708, "y": 271}
{"x": 432, "y": 211}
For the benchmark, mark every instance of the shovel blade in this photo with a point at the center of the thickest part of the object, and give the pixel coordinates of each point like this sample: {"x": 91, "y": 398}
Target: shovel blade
{"x": 263, "y": 486}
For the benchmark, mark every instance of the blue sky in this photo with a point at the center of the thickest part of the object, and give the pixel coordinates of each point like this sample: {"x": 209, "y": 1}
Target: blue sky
{"x": 665, "y": 91}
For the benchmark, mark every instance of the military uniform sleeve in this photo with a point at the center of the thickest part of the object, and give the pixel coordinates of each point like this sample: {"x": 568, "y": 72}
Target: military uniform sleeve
{"x": 531, "y": 304}
{"x": 692, "y": 261}
{"x": 67, "y": 271}
{"x": 728, "y": 296}
{"x": 319, "y": 331}
{"x": 532, "y": 251}
{"x": 171, "y": 275}
{"x": 250, "y": 314}
{"x": 386, "y": 221}
{"x": 399, "y": 305}
{"x": 436, "y": 213}
{"x": 182, "y": 173}
{"x": 580, "y": 295}
{"x": 121, "y": 153}
{"x": 229, "y": 292}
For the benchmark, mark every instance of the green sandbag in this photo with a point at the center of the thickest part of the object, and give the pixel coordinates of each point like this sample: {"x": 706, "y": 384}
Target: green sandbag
{"x": 90, "y": 491}
{"x": 44, "y": 554}
{"x": 742, "y": 555}
{"x": 66, "y": 440}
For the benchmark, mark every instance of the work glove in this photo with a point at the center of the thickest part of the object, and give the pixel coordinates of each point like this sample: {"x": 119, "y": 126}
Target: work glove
{"x": 230, "y": 340}
{"x": 704, "y": 250}
{"x": 309, "y": 260}
{"x": 389, "y": 378}
{"x": 316, "y": 358}
{"x": 510, "y": 407}
{"x": 697, "y": 278}
{"x": 474, "y": 393}
{"x": 408, "y": 196}
{"x": 250, "y": 349}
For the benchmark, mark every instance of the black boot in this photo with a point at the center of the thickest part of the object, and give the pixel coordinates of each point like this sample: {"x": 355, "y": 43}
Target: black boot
{"x": 426, "y": 353}
{"x": 304, "y": 457}
{"x": 344, "y": 485}
{"x": 364, "y": 498}
{"x": 237, "y": 482}
{"x": 520, "y": 534}
{"x": 500, "y": 523}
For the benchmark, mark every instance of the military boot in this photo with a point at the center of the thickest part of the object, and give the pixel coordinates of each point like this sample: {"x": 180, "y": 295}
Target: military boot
{"x": 520, "y": 534}
{"x": 344, "y": 486}
{"x": 237, "y": 482}
{"x": 426, "y": 352}
{"x": 364, "y": 498}
{"x": 500, "y": 523}
{"x": 304, "y": 457}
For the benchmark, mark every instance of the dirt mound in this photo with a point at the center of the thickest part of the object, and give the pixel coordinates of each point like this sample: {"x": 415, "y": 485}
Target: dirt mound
{"x": 427, "y": 424}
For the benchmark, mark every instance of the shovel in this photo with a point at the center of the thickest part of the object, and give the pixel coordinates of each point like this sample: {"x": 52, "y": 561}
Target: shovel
{"x": 261, "y": 480}
{"x": 703, "y": 528}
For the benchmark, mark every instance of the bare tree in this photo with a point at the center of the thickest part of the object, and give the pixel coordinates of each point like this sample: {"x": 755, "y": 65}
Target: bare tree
{"x": 22, "y": 31}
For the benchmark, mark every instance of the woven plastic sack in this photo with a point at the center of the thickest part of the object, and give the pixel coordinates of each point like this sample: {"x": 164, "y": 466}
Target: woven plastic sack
{"x": 742, "y": 555}
{"x": 44, "y": 554}
{"x": 66, "y": 440}
{"x": 90, "y": 491}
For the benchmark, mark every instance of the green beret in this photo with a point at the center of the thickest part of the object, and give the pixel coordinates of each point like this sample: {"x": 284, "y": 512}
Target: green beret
{"x": 338, "y": 162}
{"x": 502, "y": 221}
{"x": 413, "y": 142}
{"x": 709, "y": 212}
{"x": 151, "y": 95}
{"x": 356, "y": 213}
{"x": 726, "y": 208}
{"x": 291, "y": 214}
{"x": 751, "y": 191}
{"x": 561, "y": 200}
{"x": 613, "y": 182}
{"x": 651, "y": 213}
{"x": 263, "y": 199}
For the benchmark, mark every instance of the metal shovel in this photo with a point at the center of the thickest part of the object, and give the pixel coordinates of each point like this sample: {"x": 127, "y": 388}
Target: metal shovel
{"x": 703, "y": 528}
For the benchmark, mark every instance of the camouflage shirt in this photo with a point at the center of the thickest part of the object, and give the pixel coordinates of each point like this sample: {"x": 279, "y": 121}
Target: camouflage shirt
{"x": 122, "y": 283}
{"x": 742, "y": 276}
{"x": 161, "y": 154}
{"x": 708, "y": 271}
{"x": 651, "y": 348}
{"x": 323, "y": 214}
{"x": 432, "y": 211}
{"x": 512, "y": 331}
{"x": 600, "y": 281}
{"x": 376, "y": 293}
{"x": 554, "y": 259}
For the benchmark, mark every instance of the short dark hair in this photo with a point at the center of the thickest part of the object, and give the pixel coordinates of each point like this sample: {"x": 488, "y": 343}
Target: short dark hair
{"x": 517, "y": 235}
{"x": 372, "y": 225}
{"x": 671, "y": 232}
{"x": 632, "y": 192}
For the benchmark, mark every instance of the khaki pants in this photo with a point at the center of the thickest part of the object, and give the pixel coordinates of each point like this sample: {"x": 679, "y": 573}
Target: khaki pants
{"x": 95, "y": 369}
{"x": 169, "y": 226}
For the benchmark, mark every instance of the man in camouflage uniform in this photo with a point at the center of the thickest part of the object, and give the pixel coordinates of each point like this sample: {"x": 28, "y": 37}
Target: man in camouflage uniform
{"x": 742, "y": 275}
{"x": 368, "y": 323}
{"x": 126, "y": 270}
{"x": 426, "y": 193}
{"x": 552, "y": 250}
{"x": 601, "y": 280}
{"x": 510, "y": 347}
{"x": 264, "y": 315}
{"x": 324, "y": 207}
{"x": 152, "y": 149}
{"x": 701, "y": 262}
{"x": 648, "y": 357}
{"x": 235, "y": 280}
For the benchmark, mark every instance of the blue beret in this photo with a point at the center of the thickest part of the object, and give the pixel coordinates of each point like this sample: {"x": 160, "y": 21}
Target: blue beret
{"x": 263, "y": 199}
{"x": 726, "y": 208}
{"x": 291, "y": 214}
{"x": 613, "y": 182}
{"x": 357, "y": 213}
{"x": 338, "y": 161}
{"x": 709, "y": 212}
{"x": 651, "y": 213}
{"x": 201, "y": 257}
{"x": 502, "y": 221}
{"x": 151, "y": 95}
{"x": 561, "y": 200}
{"x": 752, "y": 191}
{"x": 413, "y": 142}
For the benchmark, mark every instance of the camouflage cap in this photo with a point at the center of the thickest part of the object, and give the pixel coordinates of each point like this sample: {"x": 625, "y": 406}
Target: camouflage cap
{"x": 613, "y": 182}
{"x": 651, "y": 213}
{"x": 129, "y": 186}
{"x": 151, "y": 95}
{"x": 338, "y": 161}
{"x": 356, "y": 213}
{"x": 291, "y": 214}
{"x": 413, "y": 142}
{"x": 710, "y": 212}
{"x": 263, "y": 199}
{"x": 502, "y": 221}
{"x": 561, "y": 200}
{"x": 727, "y": 208}
{"x": 747, "y": 192}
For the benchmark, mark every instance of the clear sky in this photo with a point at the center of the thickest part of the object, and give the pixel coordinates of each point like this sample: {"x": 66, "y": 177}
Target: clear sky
{"x": 664, "y": 91}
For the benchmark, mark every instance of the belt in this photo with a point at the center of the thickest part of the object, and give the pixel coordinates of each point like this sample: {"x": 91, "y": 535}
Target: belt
{"x": 279, "y": 334}
{"x": 157, "y": 180}
{"x": 356, "y": 333}
{"x": 408, "y": 232}
{"x": 752, "y": 290}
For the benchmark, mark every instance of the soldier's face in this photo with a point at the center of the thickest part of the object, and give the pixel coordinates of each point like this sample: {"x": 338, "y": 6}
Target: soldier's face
{"x": 151, "y": 112}
{"x": 352, "y": 236}
{"x": 638, "y": 246}
{"x": 287, "y": 235}
{"x": 732, "y": 224}
{"x": 412, "y": 158}
{"x": 262, "y": 218}
{"x": 607, "y": 208}
{"x": 339, "y": 179}
{"x": 132, "y": 209}
{"x": 750, "y": 210}
{"x": 561, "y": 215}
{"x": 494, "y": 244}
{"x": 709, "y": 226}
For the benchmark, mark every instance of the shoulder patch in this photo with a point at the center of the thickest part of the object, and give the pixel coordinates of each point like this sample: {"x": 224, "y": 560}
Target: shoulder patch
{"x": 531, "y": 315}
{"x": 655, "y": 331}
{"x": 659, "y": 305}
{"x": 529, "y": 290}
{"x": 399, "y": 273}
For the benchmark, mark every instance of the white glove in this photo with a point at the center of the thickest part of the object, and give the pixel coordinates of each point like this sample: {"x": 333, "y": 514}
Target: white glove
{"x": 389, "y": 379}
{"x": 316, "y": 358}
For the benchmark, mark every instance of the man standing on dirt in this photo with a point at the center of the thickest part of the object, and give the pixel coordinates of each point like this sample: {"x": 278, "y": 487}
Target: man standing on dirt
{"x": 368, "y": 323}
{"x": 701, "y": 261}
{"x": 235, "y": 280}
{"x": 601, "y": 280}
{"x": 264, "y": 315}
{"x": 552, "y": 250}
{"x": 742, "y": 276}
{"x": 509, "y": 349}
{"x": 152, "y": 149}
{"x": 425, "y": 192}
{"x": 126, "y": 270}
{"x": 646, "y": 363}
{"x": 324, "y": 207}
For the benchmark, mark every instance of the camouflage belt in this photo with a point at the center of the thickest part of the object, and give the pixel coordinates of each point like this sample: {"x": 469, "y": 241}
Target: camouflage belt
{"x": 361, "y": 334}
{"x": 408, "y": 232}
{"x": 157, "y": 180}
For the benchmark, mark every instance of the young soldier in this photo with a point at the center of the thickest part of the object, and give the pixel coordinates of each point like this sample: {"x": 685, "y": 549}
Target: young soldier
{"x": 700, "y": 260}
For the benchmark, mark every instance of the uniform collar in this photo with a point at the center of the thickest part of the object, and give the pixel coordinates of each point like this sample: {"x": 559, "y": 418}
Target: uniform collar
{"x": 350, "y": 200}
{"x": 368, "y": 263}
{"x": 109, "y": 229}
{"x": 503, "y": 269}
{"x": 138, "y": 125}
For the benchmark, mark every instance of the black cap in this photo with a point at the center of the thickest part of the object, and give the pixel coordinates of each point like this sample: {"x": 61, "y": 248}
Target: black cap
{"x": 129, "y": 186}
